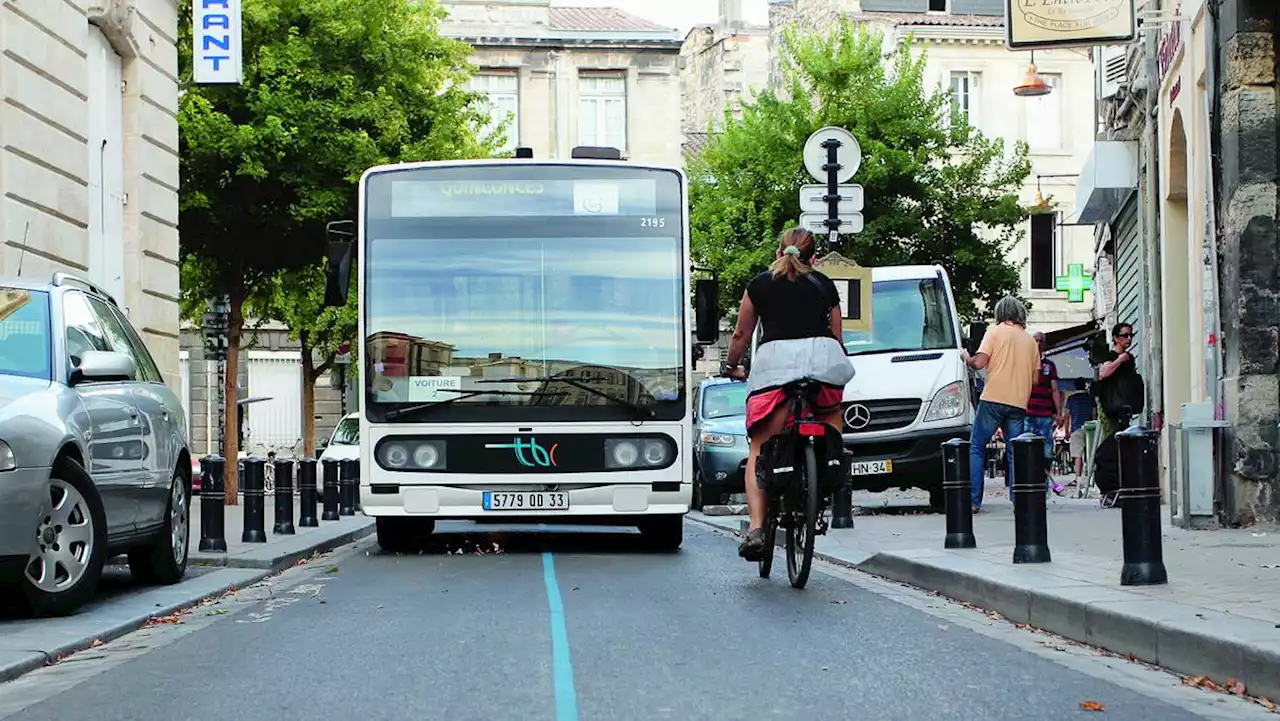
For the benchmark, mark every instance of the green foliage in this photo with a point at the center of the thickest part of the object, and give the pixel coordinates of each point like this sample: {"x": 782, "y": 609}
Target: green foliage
{"x": 936, "y": 191}
{"x": 331, "y": 88}
{"x": 296, "y": 298}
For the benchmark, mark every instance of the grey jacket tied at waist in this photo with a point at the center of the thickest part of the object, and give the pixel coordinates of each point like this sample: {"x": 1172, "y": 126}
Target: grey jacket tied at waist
{"x": 780, "y": 362}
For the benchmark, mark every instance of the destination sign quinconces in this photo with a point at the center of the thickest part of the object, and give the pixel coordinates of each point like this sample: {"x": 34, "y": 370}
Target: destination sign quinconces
{"x": 523, "y": 198}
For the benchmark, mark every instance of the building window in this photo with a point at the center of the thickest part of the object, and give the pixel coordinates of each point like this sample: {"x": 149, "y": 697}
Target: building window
{"x": 965, "y": 87}
{"x": 1044, "y": 231}
{"x": 1044, "y": 117}
{"x": 502, "y": 101}
{"x": 602, "y": 109}
{"x": 938, "y": 6}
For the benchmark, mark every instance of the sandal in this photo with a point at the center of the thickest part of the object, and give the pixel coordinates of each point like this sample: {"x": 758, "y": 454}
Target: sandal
{"x": 752, "y": 546}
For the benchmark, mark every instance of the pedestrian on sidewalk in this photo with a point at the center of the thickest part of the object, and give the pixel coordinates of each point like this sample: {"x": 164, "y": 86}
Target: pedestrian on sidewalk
{"x": 1081, "y": 409}
{"x": 1012, "y": 360}
{"x": 1044, "y": 408}
{"x": 1121, "y": 395}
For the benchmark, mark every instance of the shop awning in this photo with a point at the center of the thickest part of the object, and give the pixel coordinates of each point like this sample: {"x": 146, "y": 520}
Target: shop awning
{"x": 1109, "y": 176}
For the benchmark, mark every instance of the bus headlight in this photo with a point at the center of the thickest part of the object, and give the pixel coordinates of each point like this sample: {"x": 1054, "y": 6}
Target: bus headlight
{"x": 655, "y": 453}
{"x": 639, "y": 453}
{"x": 411, "y": 455}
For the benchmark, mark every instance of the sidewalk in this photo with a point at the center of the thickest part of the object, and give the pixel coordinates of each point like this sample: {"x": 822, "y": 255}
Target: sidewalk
{"x": 280, "y": 551}
{"x": 1219, "y": 615}
{"x": 123, "y": 605}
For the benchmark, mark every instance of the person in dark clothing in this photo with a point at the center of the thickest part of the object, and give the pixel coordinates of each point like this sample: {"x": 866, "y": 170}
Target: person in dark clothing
{"x": 1117, "y": 372}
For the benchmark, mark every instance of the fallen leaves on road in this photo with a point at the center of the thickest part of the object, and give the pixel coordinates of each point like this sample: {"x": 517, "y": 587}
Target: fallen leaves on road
{"x": 1235, "y": 687}
{"x": 96, "y": 643}
{"x": 171, "y": 619}
{"x": 1092, "y": 706}
{"x": 330, "y": 570}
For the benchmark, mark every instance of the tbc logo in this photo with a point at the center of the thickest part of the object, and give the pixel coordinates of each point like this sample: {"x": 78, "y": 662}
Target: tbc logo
{"x": 540, "y": 456}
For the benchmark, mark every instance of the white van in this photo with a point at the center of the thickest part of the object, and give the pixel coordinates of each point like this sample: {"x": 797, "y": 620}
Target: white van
{"x": 911, "y": 392}
{"x": 344, "y": 443}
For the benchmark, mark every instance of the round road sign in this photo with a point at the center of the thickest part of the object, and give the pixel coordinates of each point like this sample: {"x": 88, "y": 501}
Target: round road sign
{"x": 848, "y": 155}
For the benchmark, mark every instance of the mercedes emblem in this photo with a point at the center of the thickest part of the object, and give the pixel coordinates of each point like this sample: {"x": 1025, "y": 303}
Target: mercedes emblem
{"x": 857, "y": 416}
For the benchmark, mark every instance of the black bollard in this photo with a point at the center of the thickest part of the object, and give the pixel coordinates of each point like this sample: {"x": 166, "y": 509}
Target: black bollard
{"x": 255, "y": 498}
{"x": 955, "y": 494}
{"x": 1140, "y": 507}
{"x": 842, "y": 499}
{"x": 1030, "y": 527}
{"x": 284, "y": 497}
{"x": 330, "y": 467}
{"x": 348, "y": 473}
{"x": 307, "y": 495}
{"x": 213, "y": 519}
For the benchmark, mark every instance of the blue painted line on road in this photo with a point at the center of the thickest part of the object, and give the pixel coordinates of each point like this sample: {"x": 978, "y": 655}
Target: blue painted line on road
{"x": 561, "y": 664}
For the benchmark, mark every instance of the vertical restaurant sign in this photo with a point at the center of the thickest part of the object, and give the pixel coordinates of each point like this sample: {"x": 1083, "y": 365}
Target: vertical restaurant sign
{"x": 217, "y": 42}
{"x": 1034, "y": 24}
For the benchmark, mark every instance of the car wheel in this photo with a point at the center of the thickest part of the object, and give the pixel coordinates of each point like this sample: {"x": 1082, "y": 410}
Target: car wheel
{"x": 62, "y": 573}
{"x": 165, "y": 561}
{"x": 663, "y": 533}
{"x": 398, "y": 534}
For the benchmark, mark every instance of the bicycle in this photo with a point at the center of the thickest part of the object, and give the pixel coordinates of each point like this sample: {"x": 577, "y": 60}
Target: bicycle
{"x": 269, "y": 469}
{"x": 799, "y": 500}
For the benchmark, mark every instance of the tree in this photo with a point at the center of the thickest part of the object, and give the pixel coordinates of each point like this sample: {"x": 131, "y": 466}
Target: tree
{"x": 936, "y": 189}
{"x": 297, "y": 300}
{"x": 331, "y": 88}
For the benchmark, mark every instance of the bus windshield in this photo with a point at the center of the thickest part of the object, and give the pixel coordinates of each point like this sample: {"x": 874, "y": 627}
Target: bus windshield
{"x": 906, "y": 315}
{"x": 483, "y": 285}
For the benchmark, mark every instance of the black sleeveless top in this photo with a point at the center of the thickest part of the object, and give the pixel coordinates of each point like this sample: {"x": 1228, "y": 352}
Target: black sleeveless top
{"x": 793, "y": 309}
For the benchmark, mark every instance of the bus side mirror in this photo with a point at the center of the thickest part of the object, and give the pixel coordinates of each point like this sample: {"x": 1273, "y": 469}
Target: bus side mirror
{"x": 337, "y": 273}
{"x": 977, "y": 331}
{"x": 706, "y": 310}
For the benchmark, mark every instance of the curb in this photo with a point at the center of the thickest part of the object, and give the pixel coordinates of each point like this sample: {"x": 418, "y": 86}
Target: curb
{"x": 260, "y": 559}
{"x": 33, "y": 660}
{"x": 235, "y": 572}
{"x": 1184, "y": 639}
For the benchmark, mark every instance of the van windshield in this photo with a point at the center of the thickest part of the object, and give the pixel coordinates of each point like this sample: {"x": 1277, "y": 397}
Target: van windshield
{"x": 906, "y": 315}
{"x": 347, "y": 433}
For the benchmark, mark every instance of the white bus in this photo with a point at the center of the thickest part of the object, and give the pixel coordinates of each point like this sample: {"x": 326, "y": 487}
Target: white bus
{"x": 526, "y": 345}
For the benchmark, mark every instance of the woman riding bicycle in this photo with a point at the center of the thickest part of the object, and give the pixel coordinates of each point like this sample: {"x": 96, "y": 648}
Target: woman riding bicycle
{"x": 793, "y": 303}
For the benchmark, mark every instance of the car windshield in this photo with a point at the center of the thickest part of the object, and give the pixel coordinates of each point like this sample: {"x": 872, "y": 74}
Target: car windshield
{"x": 488, "y": 307}
{"x": 906, "y": 315}
{"x": 24, "y": 333}
{"x": 347, "y": 433}
{"x": 724, "y": 400}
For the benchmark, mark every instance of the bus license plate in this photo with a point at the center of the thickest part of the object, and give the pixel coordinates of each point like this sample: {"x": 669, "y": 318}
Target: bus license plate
{"x": 526, "y": 501}
{"x": 871, "y": 468}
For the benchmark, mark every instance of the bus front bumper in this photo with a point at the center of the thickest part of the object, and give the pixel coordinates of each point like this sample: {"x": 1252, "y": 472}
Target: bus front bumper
{"x": 385, "y": 499}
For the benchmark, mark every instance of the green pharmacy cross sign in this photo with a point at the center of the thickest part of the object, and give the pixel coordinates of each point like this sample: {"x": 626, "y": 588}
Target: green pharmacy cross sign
{"x": 1074, "y": 283}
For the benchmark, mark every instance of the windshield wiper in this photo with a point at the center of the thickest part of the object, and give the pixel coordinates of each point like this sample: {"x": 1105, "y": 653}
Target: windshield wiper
{"x": 888, "y": 350}
{"x": 405, "y": 410}
{"x": 580, "y": 385}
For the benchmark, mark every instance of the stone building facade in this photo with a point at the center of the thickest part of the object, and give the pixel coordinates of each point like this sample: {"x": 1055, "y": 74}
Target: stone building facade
{"x": 89, "y": 158}
{"x": 721, "y": 65}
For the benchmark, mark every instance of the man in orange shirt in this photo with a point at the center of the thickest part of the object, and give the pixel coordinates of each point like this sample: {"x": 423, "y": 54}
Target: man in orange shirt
{"x": 1011, "y": 358}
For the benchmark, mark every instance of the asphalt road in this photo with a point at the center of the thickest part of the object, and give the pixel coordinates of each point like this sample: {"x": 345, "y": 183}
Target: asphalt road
{"x": 568, "y": 626}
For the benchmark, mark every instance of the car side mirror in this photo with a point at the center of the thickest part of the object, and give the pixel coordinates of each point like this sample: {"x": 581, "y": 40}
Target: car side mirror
{"x": 973, "y": 341}
{"x": 706, "y": 307}
{"x": 322, "y": 443}
{"x": 103, "y": 366}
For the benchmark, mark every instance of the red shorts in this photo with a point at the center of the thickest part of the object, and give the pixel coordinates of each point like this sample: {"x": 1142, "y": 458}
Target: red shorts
{"x": 763, "y": 403}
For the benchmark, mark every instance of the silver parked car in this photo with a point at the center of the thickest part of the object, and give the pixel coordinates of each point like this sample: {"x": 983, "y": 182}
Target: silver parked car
{"x": 94, "y": 456}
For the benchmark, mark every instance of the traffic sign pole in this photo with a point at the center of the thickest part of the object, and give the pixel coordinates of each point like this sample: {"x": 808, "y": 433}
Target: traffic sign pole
{"x": 832, "y": 156}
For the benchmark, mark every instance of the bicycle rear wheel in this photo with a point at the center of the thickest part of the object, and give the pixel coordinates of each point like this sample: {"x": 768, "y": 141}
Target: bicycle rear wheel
{"x": 803, "y": 530}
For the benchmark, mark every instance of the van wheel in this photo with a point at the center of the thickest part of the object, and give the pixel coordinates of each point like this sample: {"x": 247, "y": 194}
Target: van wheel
{"x": 63, "y": 570}
{"x": 165, "y": 561}
{"x": 663, "y": 533}
{"x": 937, "y": 500}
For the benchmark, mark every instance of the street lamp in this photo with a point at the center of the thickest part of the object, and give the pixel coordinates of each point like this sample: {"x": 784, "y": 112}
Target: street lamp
{"x": 1032, "y": 85}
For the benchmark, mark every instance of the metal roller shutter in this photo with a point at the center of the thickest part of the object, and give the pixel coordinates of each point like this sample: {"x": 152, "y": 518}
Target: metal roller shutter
{"x": 1129, "y": 271}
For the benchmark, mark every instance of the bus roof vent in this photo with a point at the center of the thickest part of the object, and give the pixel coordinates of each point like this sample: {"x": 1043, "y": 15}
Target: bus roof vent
{"x": 524, "y": 152}
{"x": 593, "y": 152}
